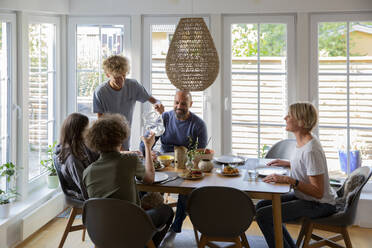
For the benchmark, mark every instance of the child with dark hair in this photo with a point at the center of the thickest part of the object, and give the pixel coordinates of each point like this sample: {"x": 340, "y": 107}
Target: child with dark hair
{"x": 113, "y": 174}
{"x": 72, "y": 156}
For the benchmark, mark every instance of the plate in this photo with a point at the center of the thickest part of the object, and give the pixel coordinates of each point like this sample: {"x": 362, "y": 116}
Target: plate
{"x": 268, "y": 170}
{"x": 181, "y": 175}
{"x": 230, "y": 159}
{"x": 160, "y": 168}
{"x": 220, "y": 171}
{"x": 160, "y": 176}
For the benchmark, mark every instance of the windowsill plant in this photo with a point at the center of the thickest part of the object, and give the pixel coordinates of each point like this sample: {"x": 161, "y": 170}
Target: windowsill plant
{"x": 48, "y": 164}
{"x": 7, "y": 171}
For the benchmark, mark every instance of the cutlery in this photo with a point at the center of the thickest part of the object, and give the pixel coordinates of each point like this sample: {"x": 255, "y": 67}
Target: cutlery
{"x": 169, "y": 179}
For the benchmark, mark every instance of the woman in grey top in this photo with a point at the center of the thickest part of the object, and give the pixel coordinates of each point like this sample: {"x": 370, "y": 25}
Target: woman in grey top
{"x": 312, "y": 196}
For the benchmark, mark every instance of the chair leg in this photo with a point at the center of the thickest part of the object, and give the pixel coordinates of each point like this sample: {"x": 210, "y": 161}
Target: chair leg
{"x": 83, "y": 236}
{"x": 70, "y": 221}
{"x": 346, "y": 236}
{"x": 151, "y": 244}
{"x": 308, "y": 233}
{"x": 237, "y": 242}
{"x": 202, "y": 242}
{"x": 303, "y": 230}
{"x": 196, "y": 236}
{"x": 244, "y": 240}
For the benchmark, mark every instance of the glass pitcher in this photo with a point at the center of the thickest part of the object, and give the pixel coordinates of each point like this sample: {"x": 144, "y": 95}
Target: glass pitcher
{"x": 153, "y": 122}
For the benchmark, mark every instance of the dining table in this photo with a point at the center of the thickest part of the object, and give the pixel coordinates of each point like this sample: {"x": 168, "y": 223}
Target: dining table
{"x": 256, "y": 189}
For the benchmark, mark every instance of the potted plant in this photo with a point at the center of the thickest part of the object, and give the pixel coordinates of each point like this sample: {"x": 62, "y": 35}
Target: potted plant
{"x": 7, "y": 170}
{"x": 357, "y": 149}
{"x": 48, "y": 164}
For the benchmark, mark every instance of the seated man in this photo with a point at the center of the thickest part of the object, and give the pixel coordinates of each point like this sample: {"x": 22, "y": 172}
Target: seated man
{"x": 113, "y": 174}
{"x": 180, "y": 124}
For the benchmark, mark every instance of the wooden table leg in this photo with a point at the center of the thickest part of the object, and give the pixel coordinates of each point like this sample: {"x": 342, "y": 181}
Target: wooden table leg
{"x": 277, "y": 218}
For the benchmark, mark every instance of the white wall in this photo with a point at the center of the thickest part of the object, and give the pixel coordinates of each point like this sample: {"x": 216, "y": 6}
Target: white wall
{"x": 130, "y": 7}
{"x": 46, "y": 6}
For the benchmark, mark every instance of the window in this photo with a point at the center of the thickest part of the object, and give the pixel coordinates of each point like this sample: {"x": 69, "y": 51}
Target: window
{"x": 95, "y": 40}
{"x": 5, "y": 28}
{"x": 158, "y": 34}
{"x": 342, "y": 87}
{"x": 258, "y": 59}
{"x": 42, "y": 79}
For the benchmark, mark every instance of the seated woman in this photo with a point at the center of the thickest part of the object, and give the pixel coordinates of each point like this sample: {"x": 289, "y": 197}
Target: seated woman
{"x": 113, "y": 174}
{"x": 312, "y": 196}
{"x": 72, "y": 156}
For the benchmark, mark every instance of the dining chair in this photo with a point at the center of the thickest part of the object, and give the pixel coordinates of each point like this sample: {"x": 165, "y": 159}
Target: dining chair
{"x": 347, "y": 203}
{"x": 76, "y": 208}
{"x": 113, "y": 223}
{"x": 220, "y": 214}
{"x": 282, "y": 149}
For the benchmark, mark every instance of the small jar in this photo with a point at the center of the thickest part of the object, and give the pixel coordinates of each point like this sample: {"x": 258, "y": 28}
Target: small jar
{"x": 206, "y": 165}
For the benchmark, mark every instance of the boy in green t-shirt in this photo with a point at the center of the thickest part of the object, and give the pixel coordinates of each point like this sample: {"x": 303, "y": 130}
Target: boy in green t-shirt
{"x": 113, "y": 174}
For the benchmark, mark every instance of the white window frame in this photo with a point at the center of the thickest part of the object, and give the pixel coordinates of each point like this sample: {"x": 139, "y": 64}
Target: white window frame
{"x": 12, "y": 88}
{"x": 313, "y": 89}
{"x": 26, "y": 186}
{"x": 73, "y": 21}
{"x": 226, "y": 90}
{"x": 147, "y": 49}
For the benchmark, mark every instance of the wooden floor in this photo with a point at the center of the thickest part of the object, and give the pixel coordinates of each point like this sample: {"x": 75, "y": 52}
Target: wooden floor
{"x": 50, "y": 235}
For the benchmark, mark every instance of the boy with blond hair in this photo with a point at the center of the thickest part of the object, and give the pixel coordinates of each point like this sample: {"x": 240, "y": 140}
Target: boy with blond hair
{"x": 119, "y": 94}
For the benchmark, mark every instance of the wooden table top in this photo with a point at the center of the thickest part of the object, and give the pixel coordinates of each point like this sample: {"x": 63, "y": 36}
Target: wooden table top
{"x": 240, "y": 182}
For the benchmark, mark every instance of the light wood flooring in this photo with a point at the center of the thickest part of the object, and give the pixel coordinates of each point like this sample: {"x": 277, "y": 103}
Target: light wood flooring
{"x": 50, "y": 235}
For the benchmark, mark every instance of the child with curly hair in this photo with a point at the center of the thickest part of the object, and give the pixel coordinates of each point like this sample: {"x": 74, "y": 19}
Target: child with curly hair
{"x": 113, "y": 174}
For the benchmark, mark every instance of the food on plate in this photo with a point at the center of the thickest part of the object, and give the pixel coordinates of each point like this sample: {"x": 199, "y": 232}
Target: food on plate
{"x": 157, "y": 164}
{"x": 194, "y": 173}
{"x": 230, "y": 170}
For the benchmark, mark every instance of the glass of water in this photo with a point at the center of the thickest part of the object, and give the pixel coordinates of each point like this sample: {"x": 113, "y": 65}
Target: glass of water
{"x": 252, "y": 174}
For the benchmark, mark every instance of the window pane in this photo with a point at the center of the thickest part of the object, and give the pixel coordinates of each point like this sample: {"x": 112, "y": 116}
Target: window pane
{"x": 41, "y": 98}
{"x": 273, "y": 98}
{"x": 350, "y": 88}
{"x": 332, "y": 47}
{"x": 333, "y": 140}
{"x": 332, "y": 100}
{"x": 361, "y": 101}
{"x": 161, "y": 88}
{"x": 4, "y": 113}
{"x": 256, "y": 79}
{"x": 360, "y": 47}
{"x": 245, "y": 140}
{"x": 94, "y": 44}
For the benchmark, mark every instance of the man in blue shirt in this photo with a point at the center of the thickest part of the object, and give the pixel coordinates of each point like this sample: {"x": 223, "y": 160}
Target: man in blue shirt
{"x": 180, "y": 124}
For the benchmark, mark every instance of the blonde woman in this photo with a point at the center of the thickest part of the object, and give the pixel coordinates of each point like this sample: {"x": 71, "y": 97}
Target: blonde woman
{"x": 312, "y": 196}
{"x": 119, "y": 94}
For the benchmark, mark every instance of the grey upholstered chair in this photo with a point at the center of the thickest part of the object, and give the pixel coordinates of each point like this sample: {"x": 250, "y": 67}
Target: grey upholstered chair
{"x": 282, "y": 149}
{"x": 220, "y": 214}
{"x": 347, "y": 203}
{"x": 76, "y": 208}
{"x": 113, "y": 223}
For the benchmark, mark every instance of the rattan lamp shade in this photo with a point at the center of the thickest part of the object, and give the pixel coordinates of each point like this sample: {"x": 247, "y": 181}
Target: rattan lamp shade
{"x": 192, "y": 61}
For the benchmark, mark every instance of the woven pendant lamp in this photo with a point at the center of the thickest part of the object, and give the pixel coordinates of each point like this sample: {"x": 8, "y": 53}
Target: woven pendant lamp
{"x": 192, "y": 61}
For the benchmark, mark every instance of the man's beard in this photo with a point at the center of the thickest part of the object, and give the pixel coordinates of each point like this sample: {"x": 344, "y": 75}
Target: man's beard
{"x": 180, "y": 113}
